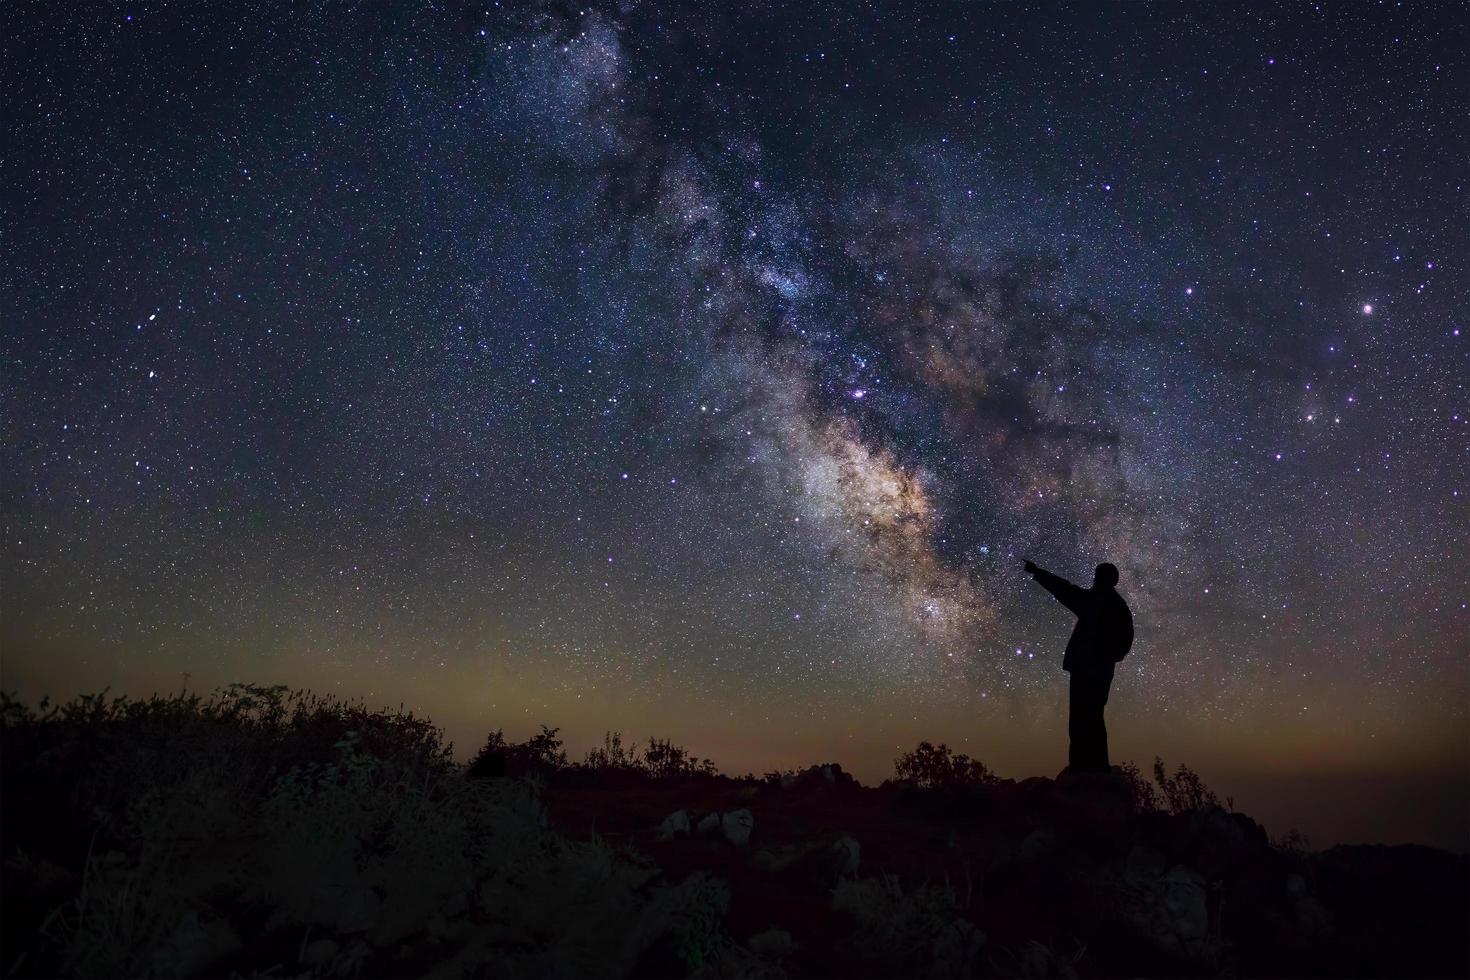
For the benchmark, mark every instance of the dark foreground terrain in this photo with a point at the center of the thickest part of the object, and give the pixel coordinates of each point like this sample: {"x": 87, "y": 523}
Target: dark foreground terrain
{"x": 261, "y": 833}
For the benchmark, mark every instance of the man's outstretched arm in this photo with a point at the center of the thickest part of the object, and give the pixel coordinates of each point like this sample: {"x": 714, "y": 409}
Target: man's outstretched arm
{"x": 1067, "y": 594}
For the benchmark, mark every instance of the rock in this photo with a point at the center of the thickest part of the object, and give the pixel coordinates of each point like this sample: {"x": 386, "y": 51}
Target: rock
{"x": 1213, "y": 824}
{"x": 320, "y": 952}
{"x": 737, "y": 825}
{"x": 347, "y": 908}
{"x": 956, "y": 951}
{"x": 1215, "y": 841}
{"x": 1188, "y": 916}
{"x": 1101, "y": 798}
{"x": 1034, "y": 790}
{"x": 708, "y": 825}
{"x": 1144, "y": 865}
{"x": 845, "y": 855}
{"x": 675, "y": 825}
{"x": 1312, "y": 917}
{"x": 772, "y": 944}
{"x": 1168, "y": 907}
{"x": 1253, "y": 833}
{"x": 177, "y": 955}
{"x": 192, "y": 947}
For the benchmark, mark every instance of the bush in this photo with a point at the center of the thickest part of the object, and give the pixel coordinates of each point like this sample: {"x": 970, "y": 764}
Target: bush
{"x": 1145, "y": 796}
{"x": 936, "y": 767}
{"x": 541, "y": 754}
{"x": 1293, "y": 843}
{"x": 613, "y": 756}
{"x": 661, "y": 759}
{"x": 258, "y": 831}
{"x": 1185, "y": 791}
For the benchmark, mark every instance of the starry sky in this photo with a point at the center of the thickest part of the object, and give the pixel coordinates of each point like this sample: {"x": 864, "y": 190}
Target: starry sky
{"x": 707, "y": 371}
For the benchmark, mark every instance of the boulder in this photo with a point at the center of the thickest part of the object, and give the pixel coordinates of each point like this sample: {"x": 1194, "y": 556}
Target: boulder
{"x": 1104, "y": 799}
{"x": 191, "y": 947}
{"x": 1168, "y": 907}
{"x": 1144, "y": 865}
{"x": 1033, "y": 791}
{"x": 737, "y": 825}
{"x": 348, "y": 908}
{"x": 956, "y": 951}
{"x": 1215, "y": 826}
{"x": 1216, "y": 841}
{"x": 675, "y": 825}
{"x": 1186, "y": 922}
{"x": 319, "y": 952}
{"x": 845, "y": 855}
{"x": 1253, "y": 833}
{"x": 708, "y": 825}
{"x": 773, "y": 944}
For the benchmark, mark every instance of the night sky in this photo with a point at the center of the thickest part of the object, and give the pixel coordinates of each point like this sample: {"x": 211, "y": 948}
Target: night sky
{"x": 706, "y": 371}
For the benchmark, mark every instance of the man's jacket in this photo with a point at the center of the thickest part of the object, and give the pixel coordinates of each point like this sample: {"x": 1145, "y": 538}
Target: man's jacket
{"x": 1104, "y": 629}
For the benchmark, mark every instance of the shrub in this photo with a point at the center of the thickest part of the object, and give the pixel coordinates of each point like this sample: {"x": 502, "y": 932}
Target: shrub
{"x": 1145, "y": 796}
{"x": 1185, "y": 791}
{"x": 257, "y": 831}
{"x": 613, "y": 756}
{"x": 542, "y": 753}
{"x": 1293, "y": 843}
{"x": 937, "y": 767}
{"x": 661, "y": 759}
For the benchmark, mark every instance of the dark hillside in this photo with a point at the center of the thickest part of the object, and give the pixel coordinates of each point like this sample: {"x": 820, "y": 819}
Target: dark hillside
{"x": 263, "y": 832}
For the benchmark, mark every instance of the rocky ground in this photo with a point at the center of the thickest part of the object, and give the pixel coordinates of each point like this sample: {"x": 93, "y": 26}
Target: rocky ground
{"x": 1056, "y": 876}
{"x": 259, "y": 833}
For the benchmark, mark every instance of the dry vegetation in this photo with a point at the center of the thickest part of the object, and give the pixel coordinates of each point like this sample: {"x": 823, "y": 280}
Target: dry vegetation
{"x": 266, "y": 832}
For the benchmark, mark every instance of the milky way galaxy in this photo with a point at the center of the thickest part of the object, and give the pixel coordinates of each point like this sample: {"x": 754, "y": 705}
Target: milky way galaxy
{"x": 709, "y": 372}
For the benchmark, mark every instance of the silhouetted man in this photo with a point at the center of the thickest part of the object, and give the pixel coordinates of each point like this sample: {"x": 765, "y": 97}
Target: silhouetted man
{"x": 1101, "y": 638}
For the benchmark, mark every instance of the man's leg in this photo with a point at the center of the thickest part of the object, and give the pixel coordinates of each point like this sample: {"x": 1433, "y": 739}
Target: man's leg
{"x": 1104, "y": 682}
{"x": 1076, "y": 722}
{"x": 1090, "y": 740}
{"x": 1100, "y": 732}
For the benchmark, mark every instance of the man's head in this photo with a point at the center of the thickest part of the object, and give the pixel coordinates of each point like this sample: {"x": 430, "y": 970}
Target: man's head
{"x": 1106, "y": 576}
